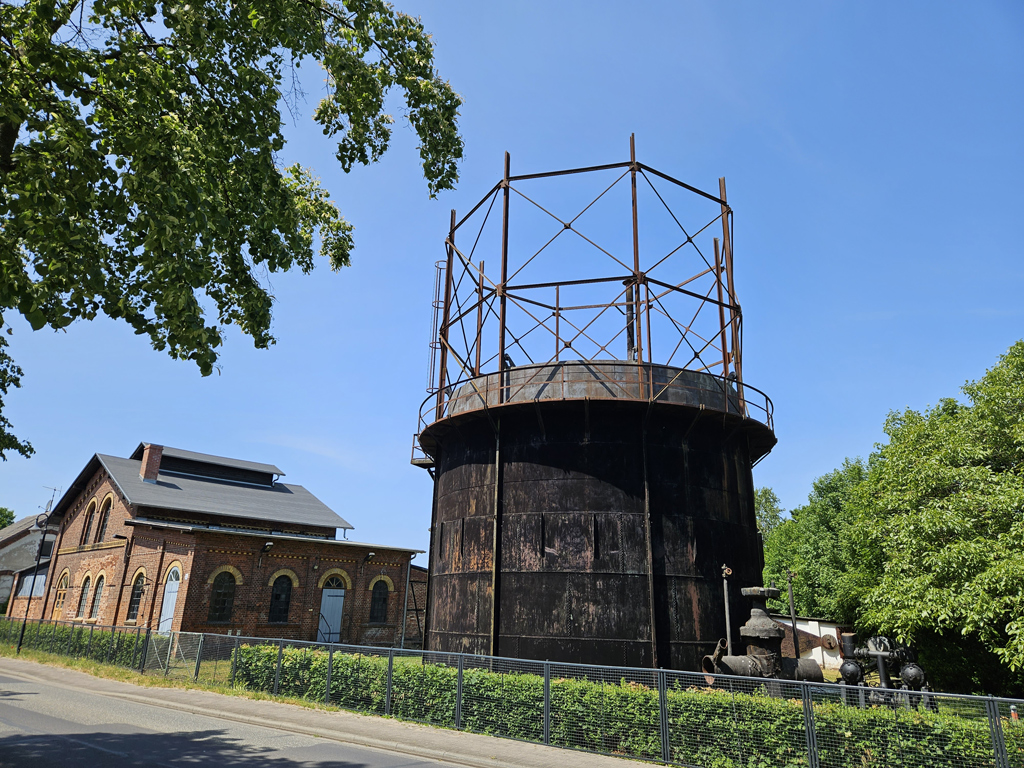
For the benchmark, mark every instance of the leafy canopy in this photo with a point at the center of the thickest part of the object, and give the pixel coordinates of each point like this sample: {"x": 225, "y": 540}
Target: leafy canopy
{"x": 947, "y": 496}
{"x": 6, "y": 516}
{"x": 139, "y": 172}
{"x": 815, "y": 543}
{"x": 768, "y": 510}
{"x": 925, "y": 541}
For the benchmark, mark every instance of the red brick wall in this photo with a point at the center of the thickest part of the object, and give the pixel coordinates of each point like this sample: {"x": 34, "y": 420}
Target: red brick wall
{"x": 417, "y": 599}
{"x": 308, "y": 561}
{"x": 92, "y": 558}
{"x": 155, "y": 553}
{"x": 199, "y": 555}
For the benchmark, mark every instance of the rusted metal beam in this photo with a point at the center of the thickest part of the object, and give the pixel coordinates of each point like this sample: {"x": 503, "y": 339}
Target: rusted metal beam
{"x": 721, "y": 308}
{"x": 682, "y": 184}
{"x": 479, "y": 317}
{"x": 443, "y": 368}
{"x": 568, "y": 172}
{"x": 638, "y": 351}
{"x": 503, "y": 285}
{"x": 733, "y": 303}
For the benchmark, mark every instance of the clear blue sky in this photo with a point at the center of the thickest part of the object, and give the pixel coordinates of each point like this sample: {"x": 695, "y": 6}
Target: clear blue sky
{"x": 874, "y": 157}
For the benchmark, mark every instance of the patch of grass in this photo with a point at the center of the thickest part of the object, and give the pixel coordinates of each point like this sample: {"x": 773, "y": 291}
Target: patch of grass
{"x": 123, "y": 675}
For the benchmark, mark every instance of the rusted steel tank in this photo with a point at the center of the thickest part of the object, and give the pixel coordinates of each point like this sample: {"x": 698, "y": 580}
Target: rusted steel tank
{"x": 583, "y": 511}
{"x": 584, "y": 506}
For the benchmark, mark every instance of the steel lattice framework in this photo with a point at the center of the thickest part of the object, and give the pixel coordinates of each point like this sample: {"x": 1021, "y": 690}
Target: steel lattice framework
{"x": 571, "y": 285}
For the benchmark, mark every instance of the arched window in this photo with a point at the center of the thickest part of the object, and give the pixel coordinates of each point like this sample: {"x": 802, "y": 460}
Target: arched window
{"x": 280, "y": 598}
{"x": 104, "y": 518}
{"x": 61, "y": 596}
{"x": 136, "y": 599}
{"x": 334, "y": 582}
{"x": 83, "y": 597}
{"x": 88, "y": 523}
{"x": 222, "y": 600}
{"x": 379, "y": 603}
{"x": 97, "y": 596}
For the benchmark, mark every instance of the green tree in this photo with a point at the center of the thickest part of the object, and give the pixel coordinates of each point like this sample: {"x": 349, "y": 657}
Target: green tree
{"x": 924, "y": 542}
{"x": 768, "y": 510}
{"x": 6, "y": 517}
{"x": 815, "y": 543}
{"x": 944, "y": 505}
{"x": 139, "y": 173}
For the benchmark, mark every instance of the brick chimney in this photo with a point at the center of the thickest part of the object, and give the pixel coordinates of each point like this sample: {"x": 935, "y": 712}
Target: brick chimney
{"x": 151, "y": 455}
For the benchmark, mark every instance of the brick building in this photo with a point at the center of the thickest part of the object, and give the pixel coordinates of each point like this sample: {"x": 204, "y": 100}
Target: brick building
{"x": 19, "y": 548}
{"x": 175, "y": 540}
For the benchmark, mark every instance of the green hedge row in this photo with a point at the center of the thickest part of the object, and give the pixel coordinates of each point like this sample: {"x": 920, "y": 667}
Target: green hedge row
{"x": 116, "y": 646}
{"x": 707, "y": 727}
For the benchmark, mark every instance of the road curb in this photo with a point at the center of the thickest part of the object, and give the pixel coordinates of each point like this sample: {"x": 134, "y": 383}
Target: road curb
{"x": 569, "y": 758}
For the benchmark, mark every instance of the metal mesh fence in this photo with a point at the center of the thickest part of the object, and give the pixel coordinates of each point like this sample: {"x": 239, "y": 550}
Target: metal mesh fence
{"x": 424, "y": 687}
{"x": 683, "y": 718}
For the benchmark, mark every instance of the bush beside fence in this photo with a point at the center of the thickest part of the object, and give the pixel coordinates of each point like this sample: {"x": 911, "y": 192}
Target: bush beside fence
{"x": 708, "y": 727}
{"x": 649, "y": 714}
{"x": 121, "y": 646}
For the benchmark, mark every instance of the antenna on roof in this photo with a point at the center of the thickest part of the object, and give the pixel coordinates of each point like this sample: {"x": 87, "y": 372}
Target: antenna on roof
{"x": 49, "y": 504}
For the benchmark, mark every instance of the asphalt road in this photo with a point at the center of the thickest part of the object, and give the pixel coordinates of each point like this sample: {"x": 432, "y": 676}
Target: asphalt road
{"x": 44, "y": 725}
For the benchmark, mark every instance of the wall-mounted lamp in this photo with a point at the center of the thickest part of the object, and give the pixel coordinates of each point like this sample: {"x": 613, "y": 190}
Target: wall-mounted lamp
{"x": 267, "y": 546}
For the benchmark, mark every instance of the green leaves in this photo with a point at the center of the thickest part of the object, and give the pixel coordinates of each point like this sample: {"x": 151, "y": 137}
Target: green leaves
{"x": 707, "y": 726}
{"x": 768, "y": 510}
{"x": 926, "y": 540}
{"x": 138, "y": 171}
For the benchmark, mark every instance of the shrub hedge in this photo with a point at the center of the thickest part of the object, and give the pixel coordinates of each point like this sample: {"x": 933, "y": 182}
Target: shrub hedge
{"x": 712, "y": 728}
{"x": 708, "y": 727}
{"x": 114, "y": 646}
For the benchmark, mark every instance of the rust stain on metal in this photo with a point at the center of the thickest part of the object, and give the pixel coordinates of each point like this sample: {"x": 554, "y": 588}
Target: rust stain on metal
{"x": 586, "y": 492}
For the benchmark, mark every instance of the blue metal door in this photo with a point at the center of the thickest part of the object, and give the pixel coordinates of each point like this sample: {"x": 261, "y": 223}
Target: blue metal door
{"x": 170, "y": 600}
{"x": 332, "y": 605}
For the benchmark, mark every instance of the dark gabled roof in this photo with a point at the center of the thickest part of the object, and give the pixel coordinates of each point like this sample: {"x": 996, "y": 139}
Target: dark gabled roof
{"x": 206, "y": 458}
{"x": 278, "y": 503}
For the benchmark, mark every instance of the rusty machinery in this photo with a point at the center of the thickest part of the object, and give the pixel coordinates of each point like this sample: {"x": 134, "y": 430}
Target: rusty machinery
{"x": 588, "y": 427}
{"x": 763, "y": 638}
{"x": 767, "y": 658}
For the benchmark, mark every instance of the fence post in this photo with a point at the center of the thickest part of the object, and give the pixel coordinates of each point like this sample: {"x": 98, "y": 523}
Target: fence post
{"x": 135, "y": 647}
{"x": 666, "y": 744}
{"x": 391, "y": 667}
{"x": 71, "y": 634}
{"x": 111, "y": 645}
{"x": 170, "y": 652}
{"x": 234, "y": 664}
{"x": 53, "y": 637}
{"x": 810, "y": 733}
{"x": 995, "y": 726}
{"x": 145, "y": 651}
{"x": 547, "y": 702}
{"x": 458, "y": 696}
{"x": 199, "y": 657}
{"x": 277, "y": 674}
{"x": 330, "y": 664}
{"x": 88, "y": 646}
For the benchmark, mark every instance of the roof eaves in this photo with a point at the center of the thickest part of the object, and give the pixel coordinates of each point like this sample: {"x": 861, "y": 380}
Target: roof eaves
{"x": 185, "y": 527}
{"x": 113, "y": 478}
{"x": 183, "y": 508}
{"x": 77, "y": 486}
